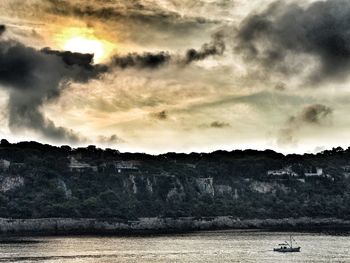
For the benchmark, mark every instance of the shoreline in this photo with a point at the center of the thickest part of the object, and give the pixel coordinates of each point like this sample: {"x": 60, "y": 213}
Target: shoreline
{"x": 158, "y": 226}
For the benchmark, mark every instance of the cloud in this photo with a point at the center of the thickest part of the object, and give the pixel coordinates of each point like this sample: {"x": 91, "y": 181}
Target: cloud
{"x": 82, "y": 67}
{"x": 282, "y": 36}
{"x": 316, "y": 114}
{"x": 110, "y": 140}
{"x": 219, "y": 125}
{"x": 215, "y": 47}
{"x": 155, "y": 60}
{"x": 145, "y": 60}
{"x": 34, "y": 78}
{"x": 138, "y": 11}
{"x": 162, "y": 115}
{"x": 280, "y": 86}
{"x": 215, "y": 125}
{"x": 2, "y": 29}
{"x": 319, "y": 149}
{"x": 37, "y": 77}
{"x": 70, "y": 58}
{"x": 150, "y": 24}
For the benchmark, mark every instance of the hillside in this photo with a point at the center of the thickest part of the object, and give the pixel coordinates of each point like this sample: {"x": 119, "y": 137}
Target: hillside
{"x": 43, "y": 181}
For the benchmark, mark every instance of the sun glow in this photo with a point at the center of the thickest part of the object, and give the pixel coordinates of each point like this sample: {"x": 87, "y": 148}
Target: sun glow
{"x": 83, "y": 45}
{"x": 83, "y": 40}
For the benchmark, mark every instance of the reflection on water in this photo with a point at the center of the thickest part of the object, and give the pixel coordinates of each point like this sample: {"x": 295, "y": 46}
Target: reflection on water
{"x": 220, "y": 246}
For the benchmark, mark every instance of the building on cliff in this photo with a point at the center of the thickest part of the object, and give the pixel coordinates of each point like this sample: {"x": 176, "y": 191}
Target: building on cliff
{"x": 317, "y": 172}
{"x": 284, "y": 172}
{"x": 126, "y": 166}
{"x": 76, "y": 166}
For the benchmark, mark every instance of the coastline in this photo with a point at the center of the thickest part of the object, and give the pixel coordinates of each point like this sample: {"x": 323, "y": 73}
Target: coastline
{"x": 153, "y": 226}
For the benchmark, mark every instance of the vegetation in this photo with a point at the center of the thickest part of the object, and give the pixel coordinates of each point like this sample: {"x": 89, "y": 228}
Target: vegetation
{"x": 39, "y": 183}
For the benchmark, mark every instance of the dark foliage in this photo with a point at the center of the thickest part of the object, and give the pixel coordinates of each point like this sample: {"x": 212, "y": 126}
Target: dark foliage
{"x": 39, "y": 183}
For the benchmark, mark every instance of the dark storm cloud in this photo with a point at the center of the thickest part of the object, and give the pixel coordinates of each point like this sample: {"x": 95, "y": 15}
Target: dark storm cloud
{"x": 316, "y": 114}
{"x": 322, "y": 29}
{"x": 280, "y": 87}
{"x": 219, "y": 125}
{"x": 2, "y": 29}
{"x": 215, "y": 47}
{"x": 34, "y": 78}
{"x": 215, "y": 125}
{"x": 81, "y": 65}
{"x": 145, "y": 60}
{"x": 70, "y": 58}
{"x": 162, "y": 115}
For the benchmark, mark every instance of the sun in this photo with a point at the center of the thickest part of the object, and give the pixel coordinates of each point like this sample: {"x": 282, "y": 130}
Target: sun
{"x": 86, "y": 46}
{"x": 84, "y": 40}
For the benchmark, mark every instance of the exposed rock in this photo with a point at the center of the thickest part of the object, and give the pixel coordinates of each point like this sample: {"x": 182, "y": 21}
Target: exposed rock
{"x": 262, "y": 187}
{"x": 205, "y": 186}
{"x": 62, "y": 185}
{"x": 11, "y": 183}
{"x": 133, "y": 183}
{"x": 177, "y": 192}
{"x": 149, "y": 185}
{"x": 236, "y": 196}
{"x": 266, "y": 187}
{"x": 223, "y": 189}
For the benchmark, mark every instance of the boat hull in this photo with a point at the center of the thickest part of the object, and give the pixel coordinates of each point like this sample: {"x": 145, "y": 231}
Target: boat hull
{"x": 287, "y": 250}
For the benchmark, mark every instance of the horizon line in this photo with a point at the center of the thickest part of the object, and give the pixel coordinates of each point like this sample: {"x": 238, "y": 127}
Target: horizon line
{"x": 176, "y": 152}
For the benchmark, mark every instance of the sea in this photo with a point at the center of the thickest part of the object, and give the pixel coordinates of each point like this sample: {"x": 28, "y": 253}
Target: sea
{"x": 211, "y": 246}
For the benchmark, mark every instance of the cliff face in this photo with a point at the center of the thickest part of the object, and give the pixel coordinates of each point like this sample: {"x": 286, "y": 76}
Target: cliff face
{"x": 169, "y": 187}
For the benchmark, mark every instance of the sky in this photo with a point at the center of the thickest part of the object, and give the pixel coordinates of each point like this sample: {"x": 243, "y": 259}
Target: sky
{"x": 176, "y": 75}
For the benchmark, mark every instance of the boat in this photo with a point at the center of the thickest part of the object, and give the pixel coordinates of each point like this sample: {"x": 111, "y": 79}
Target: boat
{"x": 287, "y": 247}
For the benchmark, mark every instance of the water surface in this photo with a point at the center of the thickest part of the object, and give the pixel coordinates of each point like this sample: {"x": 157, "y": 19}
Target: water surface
{"x": 217, "y": 246}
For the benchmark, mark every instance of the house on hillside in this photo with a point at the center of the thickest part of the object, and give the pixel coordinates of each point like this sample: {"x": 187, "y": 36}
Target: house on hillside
{"x": 126, "y": 166}
{"x": 76, "y": 166}
{"x": 315, "y": 172}
{"x": 284, "y": 172}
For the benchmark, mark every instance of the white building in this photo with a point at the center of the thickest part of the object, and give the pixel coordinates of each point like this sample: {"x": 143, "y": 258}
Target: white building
{"x": 126, "y": 166}
{"x": 287, "y": 171}
{"x": 318, "y": 173}
{"x": 76, "y": 166}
